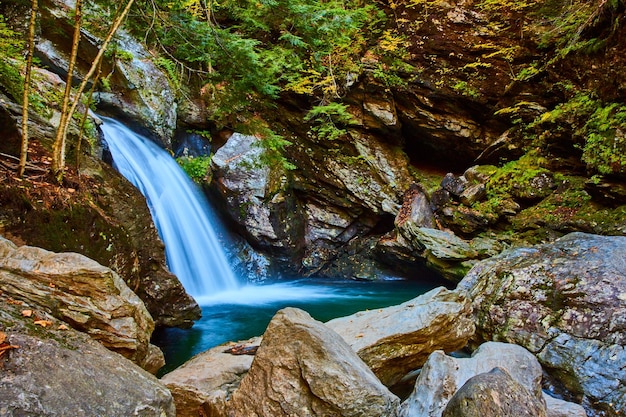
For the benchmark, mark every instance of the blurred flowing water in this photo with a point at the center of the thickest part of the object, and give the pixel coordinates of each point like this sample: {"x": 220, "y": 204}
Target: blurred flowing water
{"x": 232, "y": 309}
{"x": 179, "y": 211}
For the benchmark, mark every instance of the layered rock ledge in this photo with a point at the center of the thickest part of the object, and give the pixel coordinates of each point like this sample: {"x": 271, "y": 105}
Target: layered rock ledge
{"x": 88, "y": 296}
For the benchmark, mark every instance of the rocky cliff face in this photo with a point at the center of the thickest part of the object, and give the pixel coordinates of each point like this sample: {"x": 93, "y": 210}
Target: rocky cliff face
{"x": 473, "y": 83}
{"x": 481, "y": 84}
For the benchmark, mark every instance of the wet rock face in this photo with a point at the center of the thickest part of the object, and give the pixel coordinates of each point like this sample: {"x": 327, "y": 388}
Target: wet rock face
{"x": 311, "y": 216}
{"x": 106, "y": 219}
{"x": 256, "y": 195}
{"x": 57, "y": 372}
{"x": 565, "y": 303}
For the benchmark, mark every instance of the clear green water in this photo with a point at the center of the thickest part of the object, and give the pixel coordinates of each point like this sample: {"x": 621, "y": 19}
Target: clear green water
{"x": 244, "y": 313}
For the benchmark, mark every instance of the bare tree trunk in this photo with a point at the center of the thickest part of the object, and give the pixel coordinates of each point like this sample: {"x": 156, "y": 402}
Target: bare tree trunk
{"x": 27, "y": 73}
{"x": 58, "y": 150}
{"x": 62, "y": 131}
{"x": 83, "y": 120}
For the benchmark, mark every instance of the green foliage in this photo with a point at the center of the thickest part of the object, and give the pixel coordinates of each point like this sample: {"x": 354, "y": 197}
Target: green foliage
{"x": 273, "y": 144}
{"x": 11, "y": 45}
{"x": 171, "y": 70}
{"x": 330, "y": 120}
{"x": 573, "y": 21}
{"x": 273, "y": 156}
{"x": 605, "y": 145}
{"x": 515, "y": 177}
{"x": 464, "y": 88}
{"x": 197, "y": 168}
{"x": 507, "y": 6}
{"x": 528, "y": 72}
{"x": 243, "y": 54}
{"x": 601, "y": 128}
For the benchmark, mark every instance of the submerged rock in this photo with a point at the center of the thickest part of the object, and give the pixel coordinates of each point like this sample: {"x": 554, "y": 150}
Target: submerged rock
{"x": 86, "y": 295}
{"x": 565, "y": 303}
{"x": 395, "y": 340}
{"x": 303, "y": 368}
{"x": 55, "y": 371}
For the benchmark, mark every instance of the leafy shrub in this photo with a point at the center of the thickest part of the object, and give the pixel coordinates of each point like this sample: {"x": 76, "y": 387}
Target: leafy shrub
{"x": 197, "y": 168}
{"x": 600, "y": 127}
{"x": 330, "y": 120}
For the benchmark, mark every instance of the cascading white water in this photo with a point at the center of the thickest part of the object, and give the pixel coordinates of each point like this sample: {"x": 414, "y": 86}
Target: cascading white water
{"x": 179, "y": 211}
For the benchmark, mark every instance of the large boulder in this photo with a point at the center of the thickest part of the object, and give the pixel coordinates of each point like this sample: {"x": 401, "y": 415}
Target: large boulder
{"x": 86, "y": 295}
{"x": 494, "y": 394}
{"x": 396, "y": 340}
{"x": 255, "y": 193}
{"x": 50, "y": 370}
{"x": 565, "y": 303}
{"x": 303, "y": 368}
{"x": 443, "y": 375}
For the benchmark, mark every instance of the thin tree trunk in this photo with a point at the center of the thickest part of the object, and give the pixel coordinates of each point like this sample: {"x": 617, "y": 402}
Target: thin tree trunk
{"x": 58, "y": 150}
{"x": 62, "y": 132}
{"x": 27, "y": 73}
{"x": 86, "y": 113}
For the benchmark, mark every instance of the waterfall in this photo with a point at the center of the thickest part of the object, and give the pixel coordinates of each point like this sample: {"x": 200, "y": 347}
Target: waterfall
{"x": 179, "y": 211}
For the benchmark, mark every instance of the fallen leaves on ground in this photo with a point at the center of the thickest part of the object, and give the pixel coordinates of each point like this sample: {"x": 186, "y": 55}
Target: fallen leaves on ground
{"x": 4, "y": 345}
{"x": 43, "y": 323}
{"x": 242, "y": 350}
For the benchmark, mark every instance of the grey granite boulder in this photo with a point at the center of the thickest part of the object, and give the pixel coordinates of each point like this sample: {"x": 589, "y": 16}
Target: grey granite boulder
{"x": 566, "y": 303}
{"x": 443, "y": 375}
{"x": 52, "y": 370}
{"x": 494, "y": 394}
